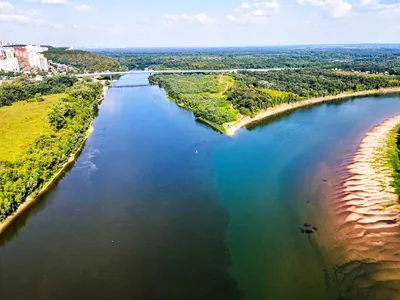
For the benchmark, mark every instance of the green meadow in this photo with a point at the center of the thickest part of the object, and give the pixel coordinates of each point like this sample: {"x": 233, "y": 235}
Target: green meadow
{"x": 21, "y": 123}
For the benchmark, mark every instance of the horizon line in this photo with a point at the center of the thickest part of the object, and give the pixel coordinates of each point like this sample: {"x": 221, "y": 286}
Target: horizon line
{"x": 247, "y": 46}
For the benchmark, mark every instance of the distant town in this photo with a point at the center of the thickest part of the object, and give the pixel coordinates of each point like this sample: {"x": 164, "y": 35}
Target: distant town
{"x": 29, "y": 60}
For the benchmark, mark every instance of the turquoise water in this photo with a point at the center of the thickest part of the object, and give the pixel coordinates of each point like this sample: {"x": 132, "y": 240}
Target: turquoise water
{"x": 159, "y": 206}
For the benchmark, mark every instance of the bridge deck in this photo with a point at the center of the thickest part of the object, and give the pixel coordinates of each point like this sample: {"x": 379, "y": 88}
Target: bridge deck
{"x": 128, "y": 86}
{"x": 181, "y": 72}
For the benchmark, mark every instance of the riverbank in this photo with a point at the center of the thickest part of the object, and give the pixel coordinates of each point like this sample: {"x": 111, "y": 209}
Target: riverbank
{"x": 231, "y": 128}
{"x": 367, "y": 215}
{"x": 32, "y": 199}
{"x": 368, "y": 191}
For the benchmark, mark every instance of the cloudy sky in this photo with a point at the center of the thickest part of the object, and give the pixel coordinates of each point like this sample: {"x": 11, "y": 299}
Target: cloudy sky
{"x": 161, "y": 23}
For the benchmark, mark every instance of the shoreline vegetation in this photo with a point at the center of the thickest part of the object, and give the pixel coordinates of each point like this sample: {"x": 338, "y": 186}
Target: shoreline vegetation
{"x": 84, "y": 91}
{"x": 228, "y": 102}
{"x": 231, "y": 128}
{"x": 29, "y": 201}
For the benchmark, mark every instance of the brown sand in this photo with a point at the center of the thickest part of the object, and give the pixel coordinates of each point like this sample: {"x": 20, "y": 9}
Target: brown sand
{"x": 366, "y": 216}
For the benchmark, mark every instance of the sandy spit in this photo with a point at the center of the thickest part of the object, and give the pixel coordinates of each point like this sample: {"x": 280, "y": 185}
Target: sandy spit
{"x": 231, "y": 128}
{"x": 366, "y": 221}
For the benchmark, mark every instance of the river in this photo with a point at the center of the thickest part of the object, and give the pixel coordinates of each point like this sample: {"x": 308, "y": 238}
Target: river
{"x": 159, "y": 206}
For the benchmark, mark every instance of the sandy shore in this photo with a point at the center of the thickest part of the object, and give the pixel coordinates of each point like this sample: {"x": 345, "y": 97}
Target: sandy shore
{"x": 369, "y": 200}
{"x": 231, "y": 128}
{"x": 366, "y": 214}
{"x": 31, "y": 200}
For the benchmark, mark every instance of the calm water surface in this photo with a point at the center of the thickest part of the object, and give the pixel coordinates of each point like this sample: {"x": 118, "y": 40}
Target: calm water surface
{"x": 159, "y": 206}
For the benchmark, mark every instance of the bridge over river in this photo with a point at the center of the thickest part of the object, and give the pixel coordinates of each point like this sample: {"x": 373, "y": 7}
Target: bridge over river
{"x": 150, "y": 72}
{"x": 179, "y": 72}
{"x": 112, "y": 86}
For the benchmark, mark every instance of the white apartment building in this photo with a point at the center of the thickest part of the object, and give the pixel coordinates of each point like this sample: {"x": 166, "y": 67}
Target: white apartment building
{"x": 36, "y": 58}
{"x": 8, "y": 61}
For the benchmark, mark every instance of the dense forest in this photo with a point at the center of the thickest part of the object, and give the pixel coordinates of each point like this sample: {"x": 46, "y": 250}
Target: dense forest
{"x": 255, "y": 91}
{"x": 83, "y": 60}
{"x": 316, "y": 83}
{"x": 23, "y": 89}
{"x": 69, "y": 121}
{"x": 374, "y": 59}
{"x": 219, "y": 99}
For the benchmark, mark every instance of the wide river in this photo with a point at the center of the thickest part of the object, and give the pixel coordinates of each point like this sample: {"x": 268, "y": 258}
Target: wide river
{"x": 159, "y": 206}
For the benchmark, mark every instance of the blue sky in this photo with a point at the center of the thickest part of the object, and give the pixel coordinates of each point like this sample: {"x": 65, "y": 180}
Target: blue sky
{"x": 161, "y": 23}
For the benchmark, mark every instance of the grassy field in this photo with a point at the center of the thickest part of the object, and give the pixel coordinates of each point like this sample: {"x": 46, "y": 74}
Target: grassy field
{"x": 274, "y": 93}
{"x": 204, "y": 95}
{"x": 21, "y": 124}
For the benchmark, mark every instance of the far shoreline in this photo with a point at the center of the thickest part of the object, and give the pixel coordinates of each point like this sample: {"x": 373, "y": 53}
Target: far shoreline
{"x": 232, "y": 127}
{"x": 29, "y": 201}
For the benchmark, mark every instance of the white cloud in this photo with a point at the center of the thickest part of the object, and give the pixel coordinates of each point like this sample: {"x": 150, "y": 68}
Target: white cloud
{"x": 336, "y": 9}
{"x": 269, "y": 5}
{"x": 311, "y": 2}
{"x": 258, "y": 12}
{"x": 82, "y": 7}
{"x": 20, "y": 18}
{"x": 375, "y": 5}
{"x": 54, "y": 1}
{"x": 369, "y": 2}
{"x": 340, "y": 9}
{"x": 10, "y": 15}
{"x": 255, "y": 12}
{"x": 14, "y": 18}
{"x": 231, "y": 18}
{"x": 5, "y": 6}
{"x": 203, "y": 18}
{"x": 196, "y": 18}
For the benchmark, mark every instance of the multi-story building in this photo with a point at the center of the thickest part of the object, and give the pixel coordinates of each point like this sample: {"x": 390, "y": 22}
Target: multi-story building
{"x": 14, "y": 58}
{"x": 8, "y": 61}
{"x": 35, "y": 57}
{"x": 43, "y": 63}
{"x": 22, "y": 55}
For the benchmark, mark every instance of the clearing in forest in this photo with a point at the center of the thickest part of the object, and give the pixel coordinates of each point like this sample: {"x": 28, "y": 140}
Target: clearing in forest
{"x": 21, "y": 123}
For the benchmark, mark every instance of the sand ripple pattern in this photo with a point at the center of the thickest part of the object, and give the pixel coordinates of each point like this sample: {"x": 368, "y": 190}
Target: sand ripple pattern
{"x": 368, "y": 227}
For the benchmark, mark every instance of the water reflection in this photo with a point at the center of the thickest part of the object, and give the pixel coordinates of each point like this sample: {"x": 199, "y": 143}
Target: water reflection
{"x": 159, "y": 206}
{"x": 137, "y": 217}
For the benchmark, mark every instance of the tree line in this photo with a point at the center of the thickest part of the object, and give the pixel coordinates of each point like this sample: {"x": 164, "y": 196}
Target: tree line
{"x": 24, "y": 89}
{"x": 69, "y": 121}
{"x": 252, "y": 92}
{"x": 372, "y": 59}
{"x": 83, "y": 60}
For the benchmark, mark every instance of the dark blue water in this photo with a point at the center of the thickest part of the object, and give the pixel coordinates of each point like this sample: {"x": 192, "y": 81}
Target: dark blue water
{"x": 159, "y": 206}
